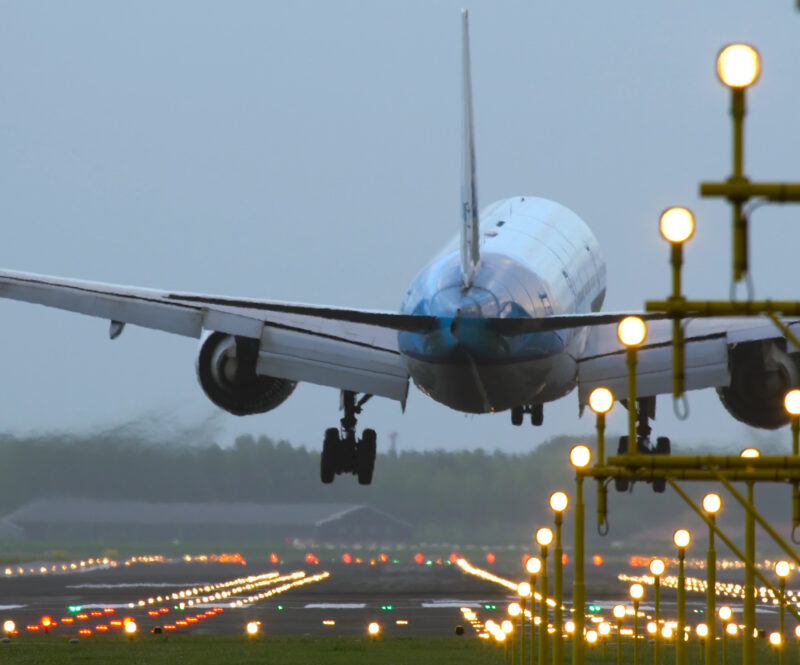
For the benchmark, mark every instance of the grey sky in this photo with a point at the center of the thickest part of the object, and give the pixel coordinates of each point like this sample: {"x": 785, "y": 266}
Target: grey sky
{"x": 309, "y": 151}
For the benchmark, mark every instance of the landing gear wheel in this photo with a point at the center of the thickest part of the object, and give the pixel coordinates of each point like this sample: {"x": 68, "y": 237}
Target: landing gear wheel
{"x": 663, "y": 447}
{"x": 537, "y": 414}
{"x": 622, "y": 484}
{"x": 365, "y": 456}
{"x": 327, "y": 465}
{"x": 516, "y": 416}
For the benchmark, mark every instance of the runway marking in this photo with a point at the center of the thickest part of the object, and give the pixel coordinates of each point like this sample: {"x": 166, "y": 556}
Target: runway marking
{"x": 129, "y": 585}
{"x": 335, "y": 606}
{"x": 11, "y": 607}
{"x": 446, "y": 604}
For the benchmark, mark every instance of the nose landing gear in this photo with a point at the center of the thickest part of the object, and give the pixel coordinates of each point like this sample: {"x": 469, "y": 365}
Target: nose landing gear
{"x": 342, "y": 451}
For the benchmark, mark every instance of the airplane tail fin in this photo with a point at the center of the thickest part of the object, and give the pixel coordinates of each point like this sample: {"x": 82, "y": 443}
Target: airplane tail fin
{"x": 470, "y": 233}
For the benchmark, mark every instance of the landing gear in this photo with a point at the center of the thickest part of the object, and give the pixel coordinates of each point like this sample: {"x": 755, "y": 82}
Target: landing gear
{"x": 342, "y": 452}
{"x": 536, "y": 411}
{"x": 646, "y": 408}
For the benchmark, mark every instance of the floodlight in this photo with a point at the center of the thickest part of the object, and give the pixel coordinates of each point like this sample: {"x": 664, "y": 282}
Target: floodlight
{"x": 725, "y": 613}
{"x": 523, "y": 589}
{"x": 782, "y": 568}
{"x": 631, "y": 331}
{"x": 604, "y": 628}
{"x": 637, "y": 591}
{"x": 533, "y": 565}
{"x": 374, "y": 628}
{"x": 750, "y": 453}
{"x": 580, "y": 456}
{"x": 676, "y": 225}
{"x": 792, "y": 402}
{"x": 682, "y": 538}
{"x": 657, "y": 567}
{"x": 514, "y": 610}
{"x": 738, "y": 65}
{"x": 712, "y": 503}
{"x": 702, "y": 630}
{"x": 601, "y": 400}
{"x": 619, "y": 611}
{"x": 544, "y": 536}
{"x": 559, "y": 501}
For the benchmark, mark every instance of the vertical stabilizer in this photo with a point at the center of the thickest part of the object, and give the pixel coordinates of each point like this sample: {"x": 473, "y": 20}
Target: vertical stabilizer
{"x": 470, "y": 251}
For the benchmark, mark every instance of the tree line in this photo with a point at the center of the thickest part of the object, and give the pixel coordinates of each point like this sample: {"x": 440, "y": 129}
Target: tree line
{"x": 448, "y": 496}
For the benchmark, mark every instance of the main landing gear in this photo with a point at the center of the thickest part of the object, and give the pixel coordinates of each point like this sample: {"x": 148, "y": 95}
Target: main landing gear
{"x": 646, "y": 409}
{"x": 342, "y": 452}
{"x": 536, "y": 411}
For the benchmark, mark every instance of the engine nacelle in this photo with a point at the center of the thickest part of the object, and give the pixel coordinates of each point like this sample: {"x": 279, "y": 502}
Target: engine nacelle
{"x": 762, "y": 373}
{"x": 226, "y": 369}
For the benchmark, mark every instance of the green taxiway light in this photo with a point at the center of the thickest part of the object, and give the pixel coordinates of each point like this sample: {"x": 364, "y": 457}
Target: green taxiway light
{"x": 280, "y": 608}
{"x": 74, "y": 608}
{"x": 489, "y": 606}
{"x": 387, "y": 608}
{"x": 593, "y": 608}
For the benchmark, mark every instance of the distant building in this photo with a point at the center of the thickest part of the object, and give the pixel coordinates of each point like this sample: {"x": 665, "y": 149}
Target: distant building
{"x": 142, "y": 522}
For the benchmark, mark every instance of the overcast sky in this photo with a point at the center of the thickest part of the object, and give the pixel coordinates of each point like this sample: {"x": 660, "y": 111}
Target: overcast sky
{"x": 309, "y": 151}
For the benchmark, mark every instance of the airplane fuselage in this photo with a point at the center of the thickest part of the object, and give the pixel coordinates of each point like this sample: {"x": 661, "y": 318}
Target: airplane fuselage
{"x": 538, "y": 259}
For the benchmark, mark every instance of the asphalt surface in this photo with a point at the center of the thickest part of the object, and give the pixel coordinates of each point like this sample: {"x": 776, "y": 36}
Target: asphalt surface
{"x": 416, "y": 599}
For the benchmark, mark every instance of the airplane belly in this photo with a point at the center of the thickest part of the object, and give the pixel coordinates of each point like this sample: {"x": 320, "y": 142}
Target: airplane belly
{"x": 480, "y": 387}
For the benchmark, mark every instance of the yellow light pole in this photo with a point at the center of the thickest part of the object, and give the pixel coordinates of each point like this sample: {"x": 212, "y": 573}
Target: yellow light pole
{"x": 544, "y": 537}
{"x": 619, "y": 615}
{"x": 534, "y": 566}
{"x": 711, "y": 504}
{"x": 702, "y": 634}
{"x": 677, "y": 226}
{"x": 508, "y": 628}
{"x": 792, "y": 404}
{"x": 604, "y": 628}
{"x": 514, "y": 610}
{"x": 559, "y": 502}
{"x": 782, "y": 570}
{"x": 681, "y": 538}
{"x": 600, "y": 401}
{"x": 797, "y": 633}
{"x": 580, "y": 457}
{"x": 657, "y": 568}
{"x": 523, "y": 591}
{"x": 631, "y": 331}
{"x": 725, "y": 613}
{"x": 749, "y": 605}
{"x": 738, "y": 67}
{"x": 637, "y": 593}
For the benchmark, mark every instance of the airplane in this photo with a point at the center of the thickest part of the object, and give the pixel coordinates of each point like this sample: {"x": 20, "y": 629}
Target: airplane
{"x": 507, "y": 317}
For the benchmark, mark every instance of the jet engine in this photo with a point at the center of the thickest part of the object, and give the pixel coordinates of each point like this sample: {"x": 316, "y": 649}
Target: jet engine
{"x": 762, "y": 372}
{"x": 226, "y": 369}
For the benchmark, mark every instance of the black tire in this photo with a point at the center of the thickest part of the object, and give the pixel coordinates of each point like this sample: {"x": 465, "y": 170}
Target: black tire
{"x": 365, "y": 456}
{"x": 516, "y": 416}
{"x": 622, "y": 448}
{"x": 621, "y": 484}
{"x": 659, "y": 485}
{"x": 537, "y": 415}
{"x": 663, "y": 446}
{"x": 327, "y": 464}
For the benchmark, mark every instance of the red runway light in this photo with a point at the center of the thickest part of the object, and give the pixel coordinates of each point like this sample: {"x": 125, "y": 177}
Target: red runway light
{"x": 490, "y": 557}
{"x": 597, "y": 559}
{"x": 46, "y": 622}
{"x": 273, "y": 558}
{"x": 564, "y": 559}
{"x": 32, "y": 628}
{"x": 96, "y": 613}
{"x": 454, "y": 557}
{"x": 347, "y": 557}
{"x": 383, "y": 558}
{"x": 84, "y": 631}
{"x": 419, "y": 558}
{"x": 101, "y": 627}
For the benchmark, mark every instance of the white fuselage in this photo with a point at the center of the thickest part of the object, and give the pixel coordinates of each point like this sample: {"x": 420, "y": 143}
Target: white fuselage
{"x": 537, "y": 259}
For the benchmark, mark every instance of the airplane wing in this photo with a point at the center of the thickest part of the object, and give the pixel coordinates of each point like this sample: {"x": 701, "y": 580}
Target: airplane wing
{"x": 706, "y": 361}
{"x": 355, "y": 351}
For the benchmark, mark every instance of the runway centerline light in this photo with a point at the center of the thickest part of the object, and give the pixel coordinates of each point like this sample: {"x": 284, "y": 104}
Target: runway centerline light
{"x": 676, "y": 224}
{"x": 738, "y": 65}
{"x": 601, "y": 400}
{"x": 559, "y": 501}
{"x": 533, "y": 565}
{"x": 544, "y": 536}
{"x": 657, "y": 567}
{"x": 792, "y": 402}
{"x": 580, "y": 456}
{"x": 631, "y": 331}
{"x": 712, "y": 503}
